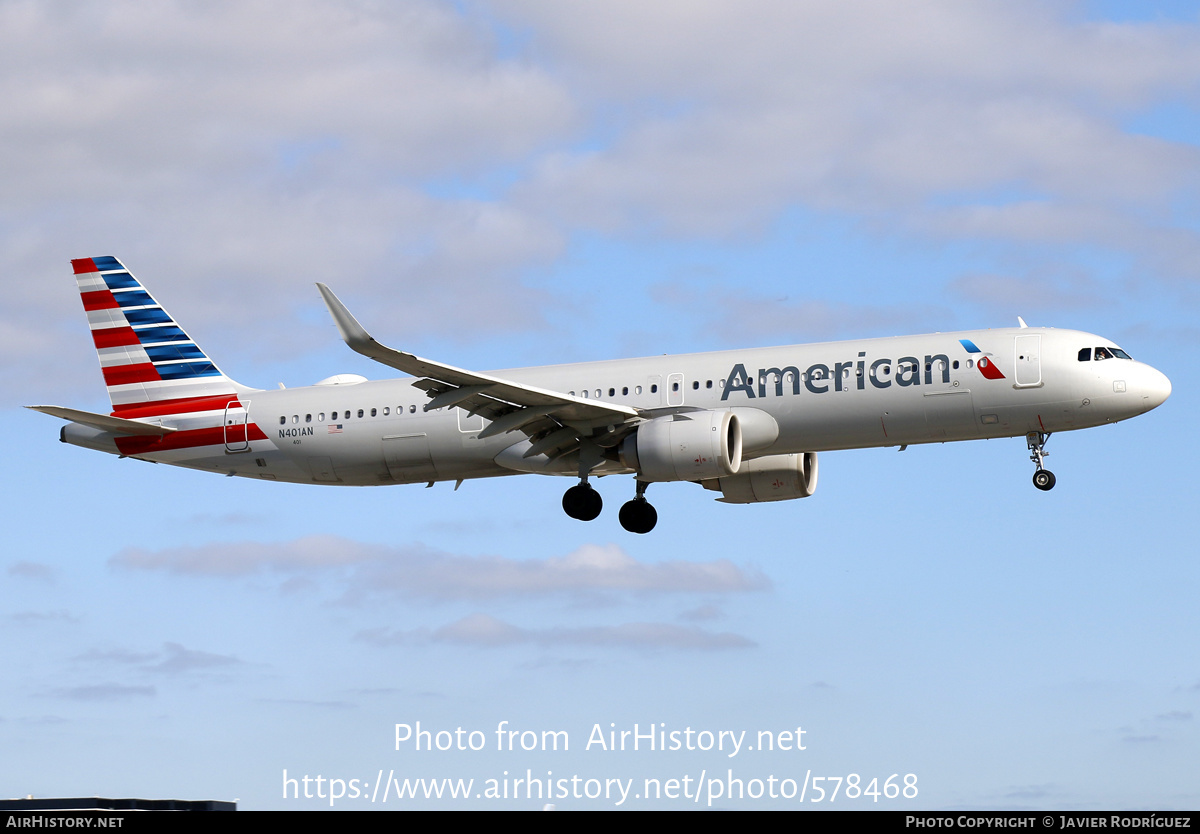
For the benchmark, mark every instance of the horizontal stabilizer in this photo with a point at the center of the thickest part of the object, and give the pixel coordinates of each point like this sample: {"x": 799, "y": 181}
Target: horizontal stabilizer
{"x": 116, "y": 425}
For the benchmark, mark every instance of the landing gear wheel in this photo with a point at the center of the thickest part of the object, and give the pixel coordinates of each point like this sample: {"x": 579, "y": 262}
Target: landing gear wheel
{"x": 1043, "y": 479}
{"x": 638, "y": 516}
{"x": 582, "y": 502}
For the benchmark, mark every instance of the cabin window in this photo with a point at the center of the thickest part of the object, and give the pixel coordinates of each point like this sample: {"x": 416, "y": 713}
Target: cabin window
{"x": 955, "y": 364}
{"x": 625, "y": 391}
{"x": 637, "y": 390}
{"x": 709, "y": 383}
{"x": 360, "y": 412}
{"x": 282, "y": 420}
{"x": 653, "y": 389}
{"x": 373, "y": 412}
{"x": 308, "y": 418}
{"x": 295, "y": 418}
{"x": 696, "y": 385}
{"x": 612, "y": 392}
{"x": 674, "y": 386}
{"x": 321, "y": 417}
{"x": 412, "y": 409}
{"x": 585, "y": 393}
{"x": 597, "y": 393}
{"x": 386, "y": 411}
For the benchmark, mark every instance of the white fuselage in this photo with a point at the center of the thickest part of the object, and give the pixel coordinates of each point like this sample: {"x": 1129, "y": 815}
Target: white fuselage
{"x": 794, "y": 399}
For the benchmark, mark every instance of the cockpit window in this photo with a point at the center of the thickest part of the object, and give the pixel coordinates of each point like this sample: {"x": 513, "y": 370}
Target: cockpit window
{"x": 1105, "y": 353}
{"x": 1085, "y": 354}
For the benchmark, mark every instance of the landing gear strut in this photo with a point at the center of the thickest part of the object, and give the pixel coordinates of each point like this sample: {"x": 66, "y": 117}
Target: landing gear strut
{"x": 582, "y": 502}
{"x": 638, "y": 515}
{"x": 1043, "y": 478}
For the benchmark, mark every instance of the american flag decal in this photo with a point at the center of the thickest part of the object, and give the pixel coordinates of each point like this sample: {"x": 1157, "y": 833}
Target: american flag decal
{"x": 335, "y": 429}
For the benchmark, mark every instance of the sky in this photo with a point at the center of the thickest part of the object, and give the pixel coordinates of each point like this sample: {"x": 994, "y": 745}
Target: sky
{"x": 502, "y": 184}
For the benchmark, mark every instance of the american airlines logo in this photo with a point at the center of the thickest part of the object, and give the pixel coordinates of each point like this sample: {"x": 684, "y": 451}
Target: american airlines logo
{"x": 985, "y": 364}
{"x": 907, "y": 371}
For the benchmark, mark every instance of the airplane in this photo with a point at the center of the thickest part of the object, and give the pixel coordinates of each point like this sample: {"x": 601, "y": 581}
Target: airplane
{"x": 747, "y": 424}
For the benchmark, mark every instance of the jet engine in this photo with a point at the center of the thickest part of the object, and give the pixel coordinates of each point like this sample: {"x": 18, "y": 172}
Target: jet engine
{"x": 690, "y": 446}
{"x": 770, "y": 478}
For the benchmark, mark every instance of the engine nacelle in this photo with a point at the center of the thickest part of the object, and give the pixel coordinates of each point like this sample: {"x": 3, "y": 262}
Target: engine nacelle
{"x": 770, "y": 478}
{"x": 692, "y": 446}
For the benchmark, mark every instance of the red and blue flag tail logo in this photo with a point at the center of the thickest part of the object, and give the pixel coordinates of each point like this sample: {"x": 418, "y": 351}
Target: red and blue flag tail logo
{"x": 985, "y": 364}
{"x": 145, "y": 355}
{"x": 153, "y": 369}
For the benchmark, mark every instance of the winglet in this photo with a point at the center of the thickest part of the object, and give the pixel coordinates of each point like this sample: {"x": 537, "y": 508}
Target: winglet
{"x": 360, "y": 341}
{"x": 1021, "y": 322}
{"x": 353, "y": 333}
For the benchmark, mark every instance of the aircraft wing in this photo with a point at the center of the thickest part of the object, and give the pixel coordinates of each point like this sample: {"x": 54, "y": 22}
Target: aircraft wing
{"x": 558, "y": 423}
{"x": 117, "y": 425}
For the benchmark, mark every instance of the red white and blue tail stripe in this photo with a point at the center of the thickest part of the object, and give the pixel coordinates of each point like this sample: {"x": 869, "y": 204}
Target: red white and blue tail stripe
{"x": 154, "y": 371}
{"x": 145, "y": 356}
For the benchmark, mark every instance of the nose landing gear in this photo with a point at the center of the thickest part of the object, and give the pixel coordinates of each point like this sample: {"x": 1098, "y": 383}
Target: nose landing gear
{"x": 638, "y": 515}
{"x": 1043, "y": 478}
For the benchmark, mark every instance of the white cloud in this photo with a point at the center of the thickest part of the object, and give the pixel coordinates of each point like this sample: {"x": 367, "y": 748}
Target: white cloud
{"x": 418, "y": 571}
{"x": 129, "y": 98}
{"x": 485, "y": 631}
{"x": 32, "y": 570}
{"x": 105, "y": 692}
{"x": 173, "y": 659}
{"x": 736, "y": 111}
{"x": 34, "y": 618}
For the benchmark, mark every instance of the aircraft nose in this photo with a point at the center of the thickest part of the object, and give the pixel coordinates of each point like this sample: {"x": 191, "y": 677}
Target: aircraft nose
{"x": 1155, "y": 388}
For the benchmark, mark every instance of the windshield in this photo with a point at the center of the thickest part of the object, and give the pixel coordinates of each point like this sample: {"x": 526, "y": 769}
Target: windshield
{"x": 1085, "y": 354}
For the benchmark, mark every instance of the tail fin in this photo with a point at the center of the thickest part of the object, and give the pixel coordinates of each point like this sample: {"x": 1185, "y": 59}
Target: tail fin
{"x": 150, "y": 364}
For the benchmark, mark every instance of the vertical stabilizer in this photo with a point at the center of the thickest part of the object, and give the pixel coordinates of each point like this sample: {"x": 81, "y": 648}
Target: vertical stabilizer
{"x": 150, "y": 364}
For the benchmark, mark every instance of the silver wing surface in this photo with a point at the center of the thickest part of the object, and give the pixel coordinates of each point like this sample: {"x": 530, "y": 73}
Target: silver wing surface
{"x": 556, "y": 424}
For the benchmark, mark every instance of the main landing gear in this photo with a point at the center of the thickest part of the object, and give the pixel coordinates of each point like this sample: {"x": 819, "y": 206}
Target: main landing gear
{"x": 582, "y": 502}
{"x": 1043, "y": 479}
{"x": 639, "y": 515}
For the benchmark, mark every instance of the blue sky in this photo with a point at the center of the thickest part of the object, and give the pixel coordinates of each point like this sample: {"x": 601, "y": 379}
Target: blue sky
{"x": 499, "y": 184}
